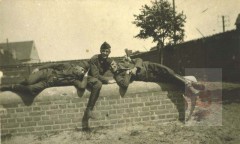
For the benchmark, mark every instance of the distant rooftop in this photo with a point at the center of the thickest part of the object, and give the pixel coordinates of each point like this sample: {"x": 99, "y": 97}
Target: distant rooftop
{"x": 23, "y": 51}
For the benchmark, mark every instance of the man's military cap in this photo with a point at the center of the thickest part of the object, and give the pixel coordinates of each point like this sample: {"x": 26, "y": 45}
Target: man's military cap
{"x": 105, "y": 45}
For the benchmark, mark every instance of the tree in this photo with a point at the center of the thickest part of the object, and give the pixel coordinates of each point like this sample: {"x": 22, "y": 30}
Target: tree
{"x": 159, "y": 21}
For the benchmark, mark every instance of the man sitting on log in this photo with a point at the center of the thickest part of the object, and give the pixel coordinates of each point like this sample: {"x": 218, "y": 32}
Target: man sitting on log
{"x": 127, "y": 71}
{"x": 50, "y": 75}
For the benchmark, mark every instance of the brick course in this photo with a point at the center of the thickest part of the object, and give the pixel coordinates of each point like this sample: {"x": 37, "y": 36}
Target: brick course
{"x": 53, "y": 111}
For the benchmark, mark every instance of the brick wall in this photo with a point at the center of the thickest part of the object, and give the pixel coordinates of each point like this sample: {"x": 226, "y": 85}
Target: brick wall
{"x": 60, "y": 108}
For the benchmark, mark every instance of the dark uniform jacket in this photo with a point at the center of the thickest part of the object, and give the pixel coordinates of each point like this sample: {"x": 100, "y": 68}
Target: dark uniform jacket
{"x": 61, "y": 74}
{"x": 123, "y": 77}
{"x": 146, "y": 71}
{"x": 98, "y": 67}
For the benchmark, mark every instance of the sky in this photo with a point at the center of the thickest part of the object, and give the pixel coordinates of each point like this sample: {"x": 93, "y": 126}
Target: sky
{"x": 75, "y": 29}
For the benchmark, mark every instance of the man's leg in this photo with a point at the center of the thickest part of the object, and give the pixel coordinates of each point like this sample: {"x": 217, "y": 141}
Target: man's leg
{"x": 95, "y": 86}
{"x": 33, "y": 89}
{"x": 166, "y": 74}
{"x": 37, "y": 87}
{"x": 36, "y": 77}
{"x": 32, "y": 79}
{"x": 81, "y": 86}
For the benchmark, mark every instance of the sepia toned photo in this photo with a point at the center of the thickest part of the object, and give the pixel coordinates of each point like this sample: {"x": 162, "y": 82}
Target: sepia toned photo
{"x": 119, "y": 71}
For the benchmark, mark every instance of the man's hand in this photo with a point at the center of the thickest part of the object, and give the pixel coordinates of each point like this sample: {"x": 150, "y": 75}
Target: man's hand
{"x": 35, "y": 70}
{"x": 111, "y": 81}
{"x": 128, "y": 72}
{"x": 86, "y": 74}
{"x": 127, "y": 58}
{"x": 134, "y": 71}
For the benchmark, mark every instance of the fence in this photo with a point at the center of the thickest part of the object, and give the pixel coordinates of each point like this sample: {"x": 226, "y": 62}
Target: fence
{"x": 218, "y": 51}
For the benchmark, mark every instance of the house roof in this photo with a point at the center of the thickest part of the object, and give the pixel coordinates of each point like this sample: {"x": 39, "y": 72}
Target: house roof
{"x": 22, "y": 50}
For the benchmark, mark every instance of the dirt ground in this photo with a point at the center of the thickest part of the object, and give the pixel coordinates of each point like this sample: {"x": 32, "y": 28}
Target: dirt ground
{"x": 214, "y": 123}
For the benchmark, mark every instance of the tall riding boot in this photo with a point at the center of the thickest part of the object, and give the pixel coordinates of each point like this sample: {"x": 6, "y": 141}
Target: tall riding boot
{"x": 89, "y": 110}
{"x": 17, "y": 88}
{"x": 96, "y": 87}
{"x": 89, "y": 114}
{"x": 22, "y": 88}
{"x": 6, "y": 88}
{"x": 91, "y": 102}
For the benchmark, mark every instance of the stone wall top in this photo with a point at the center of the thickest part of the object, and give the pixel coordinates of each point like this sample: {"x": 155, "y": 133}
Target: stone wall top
{"x": 65, "y": 92}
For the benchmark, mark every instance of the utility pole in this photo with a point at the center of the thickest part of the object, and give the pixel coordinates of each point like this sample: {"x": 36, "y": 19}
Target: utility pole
{"x": 7, "y": 43}
{"x": 223, "y": 22}
{"x": 174, "y": 21}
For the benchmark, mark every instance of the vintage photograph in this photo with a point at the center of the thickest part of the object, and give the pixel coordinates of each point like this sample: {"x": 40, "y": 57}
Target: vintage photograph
{"x": 119, "y": 71}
